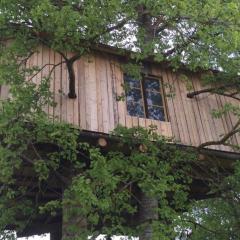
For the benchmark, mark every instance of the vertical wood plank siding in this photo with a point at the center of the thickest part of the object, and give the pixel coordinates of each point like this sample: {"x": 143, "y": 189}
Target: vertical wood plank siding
{"x": 99, "y": 82}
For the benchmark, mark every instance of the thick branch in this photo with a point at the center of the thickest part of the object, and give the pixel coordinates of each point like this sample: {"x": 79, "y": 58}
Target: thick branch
{"x": 217, "y": 90}
{"x": 226, "y": 137}
{"x": 69, "y": 64}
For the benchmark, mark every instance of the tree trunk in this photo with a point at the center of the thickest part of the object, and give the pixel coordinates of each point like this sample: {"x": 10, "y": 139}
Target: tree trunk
{"x": 149, "y": 205}
{"x": 147, "y": 214}
{"x": 145, "y": 23}
{"x": 56, "y": 235}
{"x": 73, "y": 226}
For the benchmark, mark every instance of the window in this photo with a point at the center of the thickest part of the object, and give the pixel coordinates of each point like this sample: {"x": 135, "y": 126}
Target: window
{"x": 145, "y": 98}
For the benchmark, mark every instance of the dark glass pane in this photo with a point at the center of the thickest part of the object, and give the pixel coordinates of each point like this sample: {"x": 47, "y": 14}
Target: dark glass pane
{"x": 134, "y": 95}
{"x": 131, "y": 82}
{"x": 154, "y": 98}
{"x": 156, "y": 113}
{"x": 152, "y": 84}
{"x": 135, "y": 109}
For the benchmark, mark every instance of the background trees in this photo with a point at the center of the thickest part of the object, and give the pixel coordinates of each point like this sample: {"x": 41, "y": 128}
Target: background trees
{"x": 198, "y": 34}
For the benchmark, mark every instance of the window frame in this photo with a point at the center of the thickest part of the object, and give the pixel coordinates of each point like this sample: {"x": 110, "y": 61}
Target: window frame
{"x": 144, "y": 77}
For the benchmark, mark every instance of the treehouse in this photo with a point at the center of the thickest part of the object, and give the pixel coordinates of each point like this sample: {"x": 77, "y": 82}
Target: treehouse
{"x": 103, "y": 96}
{"x": 95, "y": 94}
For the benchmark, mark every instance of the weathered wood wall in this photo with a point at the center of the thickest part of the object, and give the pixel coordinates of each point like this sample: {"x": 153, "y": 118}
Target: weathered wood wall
{"x": 191, "y": 119}
{"x": 98, "y": 83}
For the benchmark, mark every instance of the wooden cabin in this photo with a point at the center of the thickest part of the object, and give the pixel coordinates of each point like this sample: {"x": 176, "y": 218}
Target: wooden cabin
{"x": 159, "y": 99}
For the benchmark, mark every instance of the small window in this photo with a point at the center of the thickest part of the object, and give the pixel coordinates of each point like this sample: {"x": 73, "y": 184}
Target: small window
{"x": 145, "y": 98}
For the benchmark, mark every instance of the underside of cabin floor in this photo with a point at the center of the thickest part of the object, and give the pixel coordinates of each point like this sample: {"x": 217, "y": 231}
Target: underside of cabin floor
{"x": 199, "y": 188}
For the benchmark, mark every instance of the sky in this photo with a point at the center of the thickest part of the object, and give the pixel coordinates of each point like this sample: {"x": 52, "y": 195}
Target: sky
{"x": 42, "y": 237}
{"x": 47, "y": 237}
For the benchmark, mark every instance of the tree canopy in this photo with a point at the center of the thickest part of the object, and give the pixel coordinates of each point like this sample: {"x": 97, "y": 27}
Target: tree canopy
{"x": 198, "y": 34}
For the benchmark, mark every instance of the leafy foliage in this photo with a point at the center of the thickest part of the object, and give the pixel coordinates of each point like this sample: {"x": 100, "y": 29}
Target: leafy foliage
{"x": 216, "y": 218}
{"x": 107, "y": 191}
{"x": 103, "y": 193}
{"x": 201, "y": 34}
{"x": 24, "y": 124}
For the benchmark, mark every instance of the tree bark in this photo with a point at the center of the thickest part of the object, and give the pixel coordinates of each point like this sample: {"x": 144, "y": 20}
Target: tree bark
{"x": 149, "y": 205}
{"x": 73, "y": 225}
{"x": 147, "y": 214}
{"x": 145, "y": 23}
{"x": 56, "y": 235}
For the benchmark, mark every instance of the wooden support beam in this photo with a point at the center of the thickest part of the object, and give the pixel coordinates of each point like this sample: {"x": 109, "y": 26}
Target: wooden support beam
{"x": 102, "y": 142}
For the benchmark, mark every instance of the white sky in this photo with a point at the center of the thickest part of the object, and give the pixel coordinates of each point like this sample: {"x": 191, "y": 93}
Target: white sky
{"x": 47, "y": 237}
{"x": 42, "y": 237}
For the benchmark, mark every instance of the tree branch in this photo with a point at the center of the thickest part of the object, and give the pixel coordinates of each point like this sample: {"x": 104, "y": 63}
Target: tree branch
{"x": 69, "y": 64}
{"x": 217, "y": 90}
{"x": 234, "y": 130}
{"x": 47, "y": 64}
{"x": 117, "y": 26}
{"x": 203, "y": 227}
{"x": 180, "y": 46}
